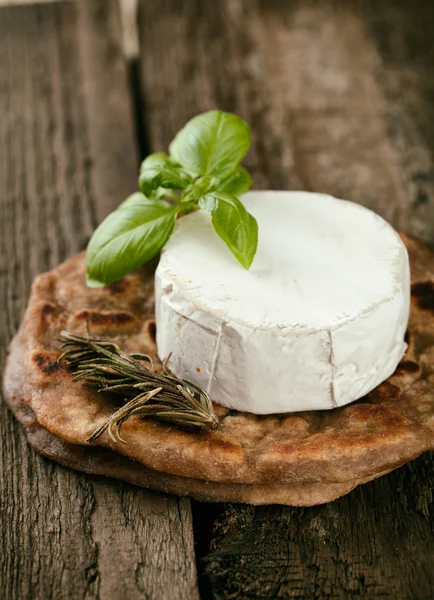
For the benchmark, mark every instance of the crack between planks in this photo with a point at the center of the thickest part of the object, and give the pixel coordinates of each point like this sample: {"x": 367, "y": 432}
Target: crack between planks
{"x": 138, "y": 107}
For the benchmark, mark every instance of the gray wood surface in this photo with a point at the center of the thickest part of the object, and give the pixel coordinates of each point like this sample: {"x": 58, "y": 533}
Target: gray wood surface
{"x": 340, "y": 99}
{"x": 68, "y": 157}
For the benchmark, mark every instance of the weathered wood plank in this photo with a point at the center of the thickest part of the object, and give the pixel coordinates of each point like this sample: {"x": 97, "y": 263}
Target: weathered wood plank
{"x": 67, "y": 158}
{"x": 339, "y": 96}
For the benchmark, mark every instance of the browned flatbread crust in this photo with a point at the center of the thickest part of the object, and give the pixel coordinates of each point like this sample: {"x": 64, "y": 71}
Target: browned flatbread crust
{"x": 299, "y": 459}
{"x": 100, "y": 461}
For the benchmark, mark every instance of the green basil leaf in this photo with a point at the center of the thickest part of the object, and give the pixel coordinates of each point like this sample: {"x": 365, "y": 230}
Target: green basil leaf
{"x": 237, "y": 227}
{"x": 156, "y": 159}
{"x": 236, "y": 183}
{"x": 127, "y": 238}
{"x": 135, "y": 199}
{"x": 192, "y": 193}
{"x": 212, "y": 143}
{"x": 199, "y": 188}
{"x": 158, "y": 170}
{"x": 159, "y": 193}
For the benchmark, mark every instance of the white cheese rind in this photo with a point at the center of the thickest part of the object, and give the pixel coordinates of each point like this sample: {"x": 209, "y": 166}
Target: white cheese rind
{"x": 317, "y": 322}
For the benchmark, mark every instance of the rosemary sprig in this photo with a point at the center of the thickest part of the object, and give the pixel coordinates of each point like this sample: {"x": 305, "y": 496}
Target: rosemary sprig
{"x": 99, "y": 363}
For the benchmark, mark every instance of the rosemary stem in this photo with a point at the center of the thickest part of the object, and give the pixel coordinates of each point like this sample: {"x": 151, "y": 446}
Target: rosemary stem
{"x": 99, "y": 363}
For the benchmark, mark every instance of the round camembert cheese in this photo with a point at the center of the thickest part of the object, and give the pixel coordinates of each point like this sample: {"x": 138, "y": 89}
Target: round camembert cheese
{"x": 318, "y": 321}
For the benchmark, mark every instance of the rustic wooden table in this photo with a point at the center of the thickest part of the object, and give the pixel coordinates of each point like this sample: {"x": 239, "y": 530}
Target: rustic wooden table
{"x": 340, "y": 96}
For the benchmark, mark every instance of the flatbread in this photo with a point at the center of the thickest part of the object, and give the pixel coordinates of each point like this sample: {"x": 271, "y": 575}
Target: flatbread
{"x": 298, "y": 459}
{"x": 100, "y": 461}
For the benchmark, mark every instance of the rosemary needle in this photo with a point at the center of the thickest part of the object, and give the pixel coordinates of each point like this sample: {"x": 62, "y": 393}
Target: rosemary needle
{"x": 99, "y": 363}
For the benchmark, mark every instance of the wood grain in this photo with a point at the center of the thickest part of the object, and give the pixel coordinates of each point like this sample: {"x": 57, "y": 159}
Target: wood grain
{"x": 68, "y": 157}
{"x": 339, "y": 97}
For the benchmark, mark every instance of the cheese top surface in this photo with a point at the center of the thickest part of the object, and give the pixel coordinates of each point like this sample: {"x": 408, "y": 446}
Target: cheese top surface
{"x": 320, "y": 261}
{"x": 318, "y": 321}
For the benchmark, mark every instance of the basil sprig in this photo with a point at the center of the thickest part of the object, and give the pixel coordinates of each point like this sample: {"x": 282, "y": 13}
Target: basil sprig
{"x": 201, "y": 172}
